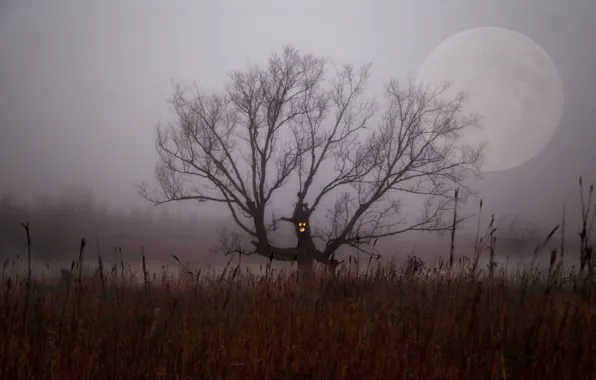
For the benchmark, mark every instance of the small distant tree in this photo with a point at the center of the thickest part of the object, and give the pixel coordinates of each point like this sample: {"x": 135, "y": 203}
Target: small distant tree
{"x": 519, "y": 236}
{"x": 285, "y": 125}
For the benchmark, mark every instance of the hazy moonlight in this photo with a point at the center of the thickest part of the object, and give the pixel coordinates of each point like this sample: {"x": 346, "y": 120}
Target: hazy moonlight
{"x": 510, "y": 82}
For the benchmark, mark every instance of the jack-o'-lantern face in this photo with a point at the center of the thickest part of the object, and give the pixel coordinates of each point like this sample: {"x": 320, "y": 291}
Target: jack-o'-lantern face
{"x": 301, "y": 226}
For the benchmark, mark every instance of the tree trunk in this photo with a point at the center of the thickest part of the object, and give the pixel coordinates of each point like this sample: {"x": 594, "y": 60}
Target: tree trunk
{"x": 306, "y": 267}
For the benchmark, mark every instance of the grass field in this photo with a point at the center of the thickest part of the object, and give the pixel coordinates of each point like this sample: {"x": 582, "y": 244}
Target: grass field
{"x": 392, "y": 323}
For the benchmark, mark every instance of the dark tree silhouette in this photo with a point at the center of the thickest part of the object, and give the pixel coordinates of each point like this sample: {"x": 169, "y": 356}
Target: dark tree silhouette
{"x": 285, "y": 123}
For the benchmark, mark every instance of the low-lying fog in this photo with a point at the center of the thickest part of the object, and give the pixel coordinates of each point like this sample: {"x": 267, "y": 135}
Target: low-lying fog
{"x": 58, "y": 224}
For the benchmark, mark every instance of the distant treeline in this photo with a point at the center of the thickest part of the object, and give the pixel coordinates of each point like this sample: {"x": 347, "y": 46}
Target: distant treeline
{"x": 58, "y": 224}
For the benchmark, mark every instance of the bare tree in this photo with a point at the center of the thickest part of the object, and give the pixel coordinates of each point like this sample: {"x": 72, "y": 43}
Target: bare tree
{"x": 519, "y": 236}
{"x": 285, "y": 124}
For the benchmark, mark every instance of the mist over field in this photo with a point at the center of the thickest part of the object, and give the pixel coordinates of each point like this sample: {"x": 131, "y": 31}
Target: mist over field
{"x": 82, "y": 87}
{"x": 57, "y": 226}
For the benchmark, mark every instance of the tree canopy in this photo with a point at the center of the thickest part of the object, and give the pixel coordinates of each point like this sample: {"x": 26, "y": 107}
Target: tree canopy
{"x": 281, "y": 127}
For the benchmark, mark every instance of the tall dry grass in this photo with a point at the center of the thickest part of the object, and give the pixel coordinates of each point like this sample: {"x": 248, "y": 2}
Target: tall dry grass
{"x": 453, "y": 320}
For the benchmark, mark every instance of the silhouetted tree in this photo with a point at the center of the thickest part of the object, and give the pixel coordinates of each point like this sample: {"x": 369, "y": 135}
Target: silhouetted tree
{"x": 285, "y": 123}
{"x": 518, "y": 235}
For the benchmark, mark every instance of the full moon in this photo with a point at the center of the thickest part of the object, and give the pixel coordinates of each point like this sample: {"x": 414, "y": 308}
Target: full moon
{"x": 510, "y": 82}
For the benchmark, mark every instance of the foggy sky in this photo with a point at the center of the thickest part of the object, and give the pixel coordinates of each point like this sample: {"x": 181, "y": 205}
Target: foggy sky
{"x": 83, "y": 84}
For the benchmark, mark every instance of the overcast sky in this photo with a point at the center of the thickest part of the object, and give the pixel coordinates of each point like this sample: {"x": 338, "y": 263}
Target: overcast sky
{"x": 83, "y": 83}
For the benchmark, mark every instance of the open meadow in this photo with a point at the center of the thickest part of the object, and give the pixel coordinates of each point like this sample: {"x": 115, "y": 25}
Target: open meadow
{"x": 409, "y": 322}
